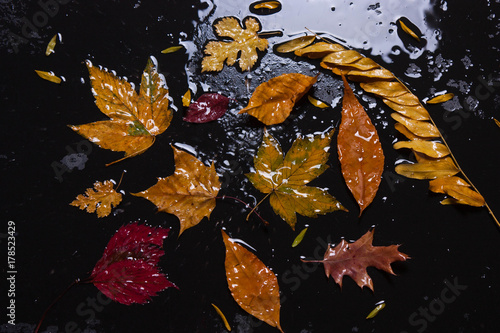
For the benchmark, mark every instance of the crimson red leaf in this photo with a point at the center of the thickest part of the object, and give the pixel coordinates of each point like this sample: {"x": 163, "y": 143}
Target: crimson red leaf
{"x": 127, "y": 272}
{"x": 208, "y": 107}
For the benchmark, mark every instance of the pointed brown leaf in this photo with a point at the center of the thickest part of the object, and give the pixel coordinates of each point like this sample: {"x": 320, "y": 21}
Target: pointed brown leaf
{"x": 360, "y": 152}
{"x": 253, "y": 285}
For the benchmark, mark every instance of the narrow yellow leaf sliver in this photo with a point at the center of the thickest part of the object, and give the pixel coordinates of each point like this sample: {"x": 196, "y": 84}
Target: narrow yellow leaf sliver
{"x": 219, "y": 312}
{"x": 317, "y": 103}
{"x": 51, "y": 45}
{"x": 295, "y": 44}
{"x": 440, "y": 98}
{"x": 408, "y": 30}
{"x": 267, "y": 5}
{"x": 186, "y": 99}
{"x": 49, "y": 76}
{"x": 497, "y": 122}
{"x": 375, "y": 311}
{"x": 299, "y": 238}
{"x": 172, "y": 49}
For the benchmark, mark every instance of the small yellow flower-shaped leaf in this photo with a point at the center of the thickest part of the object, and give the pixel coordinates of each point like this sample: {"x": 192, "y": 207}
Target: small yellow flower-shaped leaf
{"x": 102, "y": 198}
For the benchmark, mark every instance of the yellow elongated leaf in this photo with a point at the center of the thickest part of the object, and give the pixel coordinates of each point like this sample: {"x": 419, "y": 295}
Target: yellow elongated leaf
{"x": 369, "y": 75}
{"x": 295, "y": 44}
{"x": 252, "y": 284}
{"x": 186, "y": 98}
{"x": 403, "y": 130}
{"x": 245, "y": 43}
{"x": 457, "y": 188}
{"x": 417, "y": 127}
{"x": 408, "y": 30}
{"x": 172, "y": 49}
{"x": 407, "y": 99}
{"x": 221, "y": 315}
{"x": 273, "y": 100}
{"x": 441, "y": 98}
{"x": 319, "y": 50}
{"x": 316, "y": 103}
{"x": 428, "y": 170}
{"x": 375, "y": 311}
{"x": 385, "y": 89}
{"x": 285, "y": 179}
{"x": 50, "y": 47}
{"x": 102, "y": 198}
{"x": 267, "y": 5}
{"x": 414, "y": 112}
{"x": 497, "y": 122}
{"x": 430, "y": 148}
{"x": 189, "y": 193}
{"x": 49, "y": 76}
{"x": 299, "y": 237}
{"x": 342, "y": 57}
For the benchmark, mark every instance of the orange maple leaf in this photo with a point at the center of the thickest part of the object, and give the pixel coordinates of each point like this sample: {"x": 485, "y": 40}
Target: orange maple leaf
{"x": 189, "y": 193}
{"x": 135, "y": 118}
{"x": 102, "y": 198}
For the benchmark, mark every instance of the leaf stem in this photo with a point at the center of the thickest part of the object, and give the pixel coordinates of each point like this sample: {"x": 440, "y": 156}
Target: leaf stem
{"x": 257, "y": 205}
{"x": 74, "y": 283}
{"x": 247, "y": 206}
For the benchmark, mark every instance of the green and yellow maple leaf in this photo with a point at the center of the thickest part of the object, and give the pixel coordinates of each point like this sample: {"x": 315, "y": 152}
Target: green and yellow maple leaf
{"x": 284, "y": 179}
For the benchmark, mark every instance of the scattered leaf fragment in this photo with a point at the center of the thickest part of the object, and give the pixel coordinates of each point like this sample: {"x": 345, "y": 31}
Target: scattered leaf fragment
{"x": 135, "y": 119}
{"x": 352, "y": 259}
{"x": 497, "y": 122}
{"x": 272, "y": 101}
{"x": 245, "y": 42}
{"x": 360, "y": 151}
{"x": 317, "y": 103}
{"x": 299, "y": 237}
{"x": 51, "y": 45}
{"x": 189, "y": 193}
{"x": 267, "y": 5}
{"x": 127, "y": 271}
{"x": 295, "y": 44}
{"x": 186, "y": 98}
{"x": 208, "y": 107}
{"x": 49, "y": 76}
{"x": 284, "y": 179}
{"x": 172, "y": 49}
{"x": 441, "y": 98}
{"x": 375, "y": 311}
{"x": 408, "y": 30}
{"x": 224, "y": 320}
{"x": 102, "y": 198}
{"x": 252, "y": 284}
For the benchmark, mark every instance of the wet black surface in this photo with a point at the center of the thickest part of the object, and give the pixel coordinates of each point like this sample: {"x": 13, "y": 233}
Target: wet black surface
{"x": 56, "y": 243}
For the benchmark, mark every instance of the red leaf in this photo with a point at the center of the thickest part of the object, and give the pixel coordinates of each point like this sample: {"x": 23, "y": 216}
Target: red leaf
{"x": 352, "y": 259}
{"x": 207, "y": 108}
{"x": 127, "y": 272}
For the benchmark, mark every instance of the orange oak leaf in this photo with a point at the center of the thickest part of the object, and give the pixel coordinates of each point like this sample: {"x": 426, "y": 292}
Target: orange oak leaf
{"x": 101, "y": 199}
{"x": 272, "y": 101}
{"x": 189, "y": 193}
{"x": 360, "y": 152}
{"x": 284, "y": 179}
{"x": 135, "y": 119}
{"x": 253, "y": 285}
{"x": 352, "y": 259}
{"x": 245, "y": 43}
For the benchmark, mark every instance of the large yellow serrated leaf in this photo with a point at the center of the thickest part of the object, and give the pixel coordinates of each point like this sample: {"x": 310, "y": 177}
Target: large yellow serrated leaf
{"x": 428, "y": 170}
{"x": 189, "y": 193}
{"x": 273, "y": 100}
{"x": 432, "y": 149}
{"x": 457, "y": 188}
{"x": 245, "y": 43}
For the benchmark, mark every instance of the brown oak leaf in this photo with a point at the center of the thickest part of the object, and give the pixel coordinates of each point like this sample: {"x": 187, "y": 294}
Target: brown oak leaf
{"x": 352, "y": 259}
{"x": 101, "y": 199}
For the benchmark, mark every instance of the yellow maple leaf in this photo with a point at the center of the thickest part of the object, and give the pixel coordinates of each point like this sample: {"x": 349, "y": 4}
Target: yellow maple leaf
{"x": 245, "y": 42}
{"x": 135, "y": 118}
{"x": 284, "y": 179}
{"x": 189, "y": 193}
{"x": 102, "y": 198}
